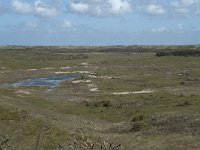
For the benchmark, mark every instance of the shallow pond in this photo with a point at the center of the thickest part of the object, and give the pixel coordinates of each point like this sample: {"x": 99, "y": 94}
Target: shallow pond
{"x": 50, "y": 82}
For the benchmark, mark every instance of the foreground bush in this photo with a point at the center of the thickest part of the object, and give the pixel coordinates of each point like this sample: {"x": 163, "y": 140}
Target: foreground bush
{"x": 82, "y": 142}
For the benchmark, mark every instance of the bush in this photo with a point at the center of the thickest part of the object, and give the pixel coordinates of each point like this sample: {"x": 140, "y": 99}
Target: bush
{"x": 103, "y": 103}
{"x": 138, "y": 118}
{"x": 97, "y": 103}
{"x": 179, "y": 53}
{"x": 186, "y": 103}
{"x": 82, "y": 142}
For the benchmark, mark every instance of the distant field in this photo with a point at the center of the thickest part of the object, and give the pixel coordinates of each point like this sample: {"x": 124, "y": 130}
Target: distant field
{"x": 127, "y": 95}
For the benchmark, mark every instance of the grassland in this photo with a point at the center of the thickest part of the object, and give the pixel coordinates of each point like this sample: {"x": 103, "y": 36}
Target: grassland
{"x": 125, "y": 94}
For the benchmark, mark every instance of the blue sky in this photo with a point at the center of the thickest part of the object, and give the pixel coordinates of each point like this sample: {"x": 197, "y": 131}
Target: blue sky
{"x": 99, "y": 22}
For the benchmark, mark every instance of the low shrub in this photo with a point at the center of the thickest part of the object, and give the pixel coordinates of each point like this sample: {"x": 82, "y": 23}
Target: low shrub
{"x": 179, "y": 53}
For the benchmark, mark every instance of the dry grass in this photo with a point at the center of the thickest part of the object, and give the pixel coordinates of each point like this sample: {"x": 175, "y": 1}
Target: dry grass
{"x": 166, "y": 117}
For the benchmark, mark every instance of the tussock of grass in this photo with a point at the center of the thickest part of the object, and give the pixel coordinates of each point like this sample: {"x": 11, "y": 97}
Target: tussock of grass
{"x": 10, "y": 113}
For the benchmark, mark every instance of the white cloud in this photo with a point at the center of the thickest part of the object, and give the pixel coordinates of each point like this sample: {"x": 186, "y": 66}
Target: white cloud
{"x": 21, "y": 7}
{"x": 160, "y": 29}
{"x": 180, "y": 7}
{"x": 177, "y": 28}
{"x": 155, "y": 9}
{"x": 44, "y": 10}
{"x": 101, "y": 7}
{"x": 31, "y": 24}
{"x": 79, "y": 7}
{"x": 119, "y": 6}
{"x": 187, "y": 3}
{"x": 67, "y": 24}
{"x": 39, "y": 8}
{"x": 186, "y": 6}
{"x": 54, "y": 8}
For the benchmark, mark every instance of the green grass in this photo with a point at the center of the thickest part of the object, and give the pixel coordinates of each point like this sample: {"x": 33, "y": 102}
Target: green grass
{"x": 9, "y": 113}
{"x": 139, "y": 121}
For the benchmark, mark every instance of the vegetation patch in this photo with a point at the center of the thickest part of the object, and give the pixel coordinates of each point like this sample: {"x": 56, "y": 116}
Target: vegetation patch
{"x": 127, "y": 95}
{"x": 10, "y": 113}
{"x": 179, "y": 53}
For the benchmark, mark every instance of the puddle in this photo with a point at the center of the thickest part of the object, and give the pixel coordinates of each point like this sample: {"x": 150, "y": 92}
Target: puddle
{"x": 50, "y": 82}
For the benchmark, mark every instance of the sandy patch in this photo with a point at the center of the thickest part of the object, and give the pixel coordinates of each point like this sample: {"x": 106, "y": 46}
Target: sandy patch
{"x": 31, "y": 69}
{"x": 84, "y": 72}
{"x": 94, "y": 90}
{"x": 93, "y": 87}
{"x": 107, "y": 77}
{"x": 62, "y": 72}
{"x": 135, "y": 92}
{"x": 66, "y": 72}
{"x": 101, "y": 77}
{"x": 23, "y": 92}
{"x": 6, "y": 71}
{"x": 38, "y": 69}
{"x": 84, "y": 64}
{"x": 50, "y": 68}
{"x": 81, "y": 81}
{"x": 92, "y": 76}
{"x": 65, "y": 68}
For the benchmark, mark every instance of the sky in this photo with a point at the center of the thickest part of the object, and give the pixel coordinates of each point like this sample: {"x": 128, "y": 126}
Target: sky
{"x": 99, "y": 22}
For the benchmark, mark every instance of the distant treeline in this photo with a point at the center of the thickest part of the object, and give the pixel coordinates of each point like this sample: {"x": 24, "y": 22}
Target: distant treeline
{"x": 102, "y": 49}
{"x": 37, "y": 56}
{"x": 146, "y": 49}
{"x": 179, "y": 53}
{"x": 128, "y": 49}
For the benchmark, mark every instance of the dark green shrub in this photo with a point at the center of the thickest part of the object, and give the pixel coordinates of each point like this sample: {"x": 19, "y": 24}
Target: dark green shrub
{"x": 179, "y": 53}
{"x": 102, "y": 103}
